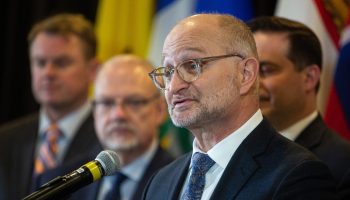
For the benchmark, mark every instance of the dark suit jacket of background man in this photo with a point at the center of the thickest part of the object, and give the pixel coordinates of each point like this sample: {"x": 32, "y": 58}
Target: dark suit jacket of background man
{"x": 264, "y": 166}
{"x": 3, "y": 190}
{"x": 159, "y": 160}
{"x": 17, "y": 146}
{"x": 328, "y": 147}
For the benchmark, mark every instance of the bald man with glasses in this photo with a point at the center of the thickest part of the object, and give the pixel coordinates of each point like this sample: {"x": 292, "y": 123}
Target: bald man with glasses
{"x": 210, "y": 81}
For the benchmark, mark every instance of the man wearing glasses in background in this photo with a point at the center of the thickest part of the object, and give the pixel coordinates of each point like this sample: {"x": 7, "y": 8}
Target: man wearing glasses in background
{"x": 210, "y": 80}
{"x": 128, "y": 110}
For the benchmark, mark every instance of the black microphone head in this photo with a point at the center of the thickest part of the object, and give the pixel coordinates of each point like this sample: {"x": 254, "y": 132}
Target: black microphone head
{"x": 109, "y": 161}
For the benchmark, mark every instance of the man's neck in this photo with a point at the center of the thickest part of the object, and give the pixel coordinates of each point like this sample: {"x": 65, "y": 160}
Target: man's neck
{"x": 55, "y": 113}
{"x": 213, "y": 133}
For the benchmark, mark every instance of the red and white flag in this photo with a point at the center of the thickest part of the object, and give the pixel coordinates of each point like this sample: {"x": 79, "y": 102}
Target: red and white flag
{"x": 327, "y": 19}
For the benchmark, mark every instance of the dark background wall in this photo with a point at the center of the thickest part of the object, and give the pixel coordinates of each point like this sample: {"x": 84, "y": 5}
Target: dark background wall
{"x": 16, "y": 98}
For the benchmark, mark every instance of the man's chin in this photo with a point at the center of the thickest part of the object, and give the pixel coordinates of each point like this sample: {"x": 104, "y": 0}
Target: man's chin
{"x": 120, "y": 146}
{"x": 182, "y": 121}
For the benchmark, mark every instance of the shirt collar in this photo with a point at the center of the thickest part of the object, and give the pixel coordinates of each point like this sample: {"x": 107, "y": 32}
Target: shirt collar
{"x": 222, "y": 152}
{"x": 135, "y": 169}
{"x": 68, "y": 124}
{"x": 294, "y": 131}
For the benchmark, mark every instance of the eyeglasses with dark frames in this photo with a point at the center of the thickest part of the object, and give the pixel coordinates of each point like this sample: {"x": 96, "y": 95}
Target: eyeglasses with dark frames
{"x": 188, "y": 70}
{"x": 131, "y": 103}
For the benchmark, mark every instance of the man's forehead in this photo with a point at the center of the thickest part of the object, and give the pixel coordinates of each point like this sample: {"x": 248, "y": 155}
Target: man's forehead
{"x": 182, "y": 54}
{"x": 191, "y": 40}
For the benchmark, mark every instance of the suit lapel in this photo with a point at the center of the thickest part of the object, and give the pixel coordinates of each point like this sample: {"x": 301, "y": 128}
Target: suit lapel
{"x": 312, "y": 135}
{"x": 235, "y": 177}
{"x": 24, "y": 156}
{"x": 179, "y": 176}
{"x": 92, "y": 191}
{"x": 243, "y": 164}
{"x": 89, "y": 192}
{"x": 83, "y": 141}
{"x": 159, "y": 160}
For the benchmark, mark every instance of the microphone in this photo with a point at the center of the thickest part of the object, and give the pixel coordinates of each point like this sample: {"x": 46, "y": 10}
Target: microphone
{"x": 105, "y": 164}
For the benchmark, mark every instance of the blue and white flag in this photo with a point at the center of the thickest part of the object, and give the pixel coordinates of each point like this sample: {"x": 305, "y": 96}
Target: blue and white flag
{"x": 169, "y": 12}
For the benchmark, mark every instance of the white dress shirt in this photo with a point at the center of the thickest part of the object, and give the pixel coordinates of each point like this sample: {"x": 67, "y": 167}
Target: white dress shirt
{"x": 294, "y": 131}
{"x": 222, "y": 153}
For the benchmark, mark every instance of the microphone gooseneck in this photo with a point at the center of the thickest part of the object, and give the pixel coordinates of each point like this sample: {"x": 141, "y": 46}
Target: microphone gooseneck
{"x": 105, "y": 164}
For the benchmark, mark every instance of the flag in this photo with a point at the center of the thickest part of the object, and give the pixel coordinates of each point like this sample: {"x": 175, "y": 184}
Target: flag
{"x": 327, "y": 20}
{"x": 123, "y": 26}
{"x": 338, "y": 108}
{"x": 168, "y": 13}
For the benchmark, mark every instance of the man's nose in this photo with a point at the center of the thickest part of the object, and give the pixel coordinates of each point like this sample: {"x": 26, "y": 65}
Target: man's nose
{"x": 176, "y": 83}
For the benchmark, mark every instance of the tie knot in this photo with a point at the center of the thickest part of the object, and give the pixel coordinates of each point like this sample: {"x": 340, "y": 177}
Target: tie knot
{"x": 114, "y": 193}
{"x": 119, "y": 178}
{"x": 202, "y": 162}
{"x": 53, "y": 132}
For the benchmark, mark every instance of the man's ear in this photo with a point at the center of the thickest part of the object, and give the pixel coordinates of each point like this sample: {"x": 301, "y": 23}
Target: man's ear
{"x": 250, "y": 72}
{"x": 312, "y": 77}
{"x": 94, "y": 65}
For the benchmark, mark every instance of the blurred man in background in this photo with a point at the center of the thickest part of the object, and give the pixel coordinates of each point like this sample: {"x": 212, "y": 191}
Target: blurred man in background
{"x": 290, "y": 66}
{"x": 128, "y": 110}
{"x": 62, "y": 54}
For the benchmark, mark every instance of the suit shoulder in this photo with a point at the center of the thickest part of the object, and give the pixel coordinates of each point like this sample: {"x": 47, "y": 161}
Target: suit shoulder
{"x": 19, "y": 126}
{"x": 288, "y": 150}
{"x": 164, "y": 155}
{"x": 320, "y": 139}
{"x": 337, "y": 142}
{"x": 175, "y": 165}
{"x": 265, "y": 141}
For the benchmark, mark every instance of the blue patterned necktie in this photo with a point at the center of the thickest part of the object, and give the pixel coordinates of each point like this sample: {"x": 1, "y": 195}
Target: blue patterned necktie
{"x": 201, "y": 163}
{"x": 114, "y": 193}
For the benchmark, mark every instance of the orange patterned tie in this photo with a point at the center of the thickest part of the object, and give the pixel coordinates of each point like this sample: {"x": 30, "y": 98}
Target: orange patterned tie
{"x": 47, "y": 157}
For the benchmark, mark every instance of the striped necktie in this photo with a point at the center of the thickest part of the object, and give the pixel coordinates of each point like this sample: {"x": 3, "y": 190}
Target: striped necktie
{"x": 47, "y": 156}
{"x": 201, "y": 163}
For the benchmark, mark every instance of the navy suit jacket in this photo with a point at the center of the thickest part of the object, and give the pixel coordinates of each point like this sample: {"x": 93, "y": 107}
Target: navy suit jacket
{"x": 330, "y": 148}
{"x": 17, "y": 146}
{"x": 265, "y": 166}
{"x": 160, "y": 159}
